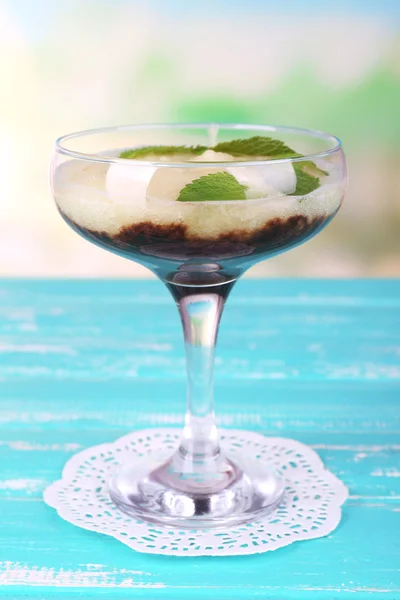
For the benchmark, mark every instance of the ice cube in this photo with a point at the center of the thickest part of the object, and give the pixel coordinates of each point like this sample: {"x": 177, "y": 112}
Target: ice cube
{"x": 127, "y": 183}
{"x": 266, "y": 180}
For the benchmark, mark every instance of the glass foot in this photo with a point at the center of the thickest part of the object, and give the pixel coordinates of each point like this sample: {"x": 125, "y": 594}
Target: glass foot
{"x": 229, "y": 494}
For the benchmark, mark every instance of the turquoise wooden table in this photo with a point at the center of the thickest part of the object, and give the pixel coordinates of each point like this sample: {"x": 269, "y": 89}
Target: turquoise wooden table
{"x": 85, "y": 362}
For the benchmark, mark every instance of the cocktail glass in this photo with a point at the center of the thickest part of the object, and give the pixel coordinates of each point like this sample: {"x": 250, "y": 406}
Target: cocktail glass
{"x": 198, "y": 243}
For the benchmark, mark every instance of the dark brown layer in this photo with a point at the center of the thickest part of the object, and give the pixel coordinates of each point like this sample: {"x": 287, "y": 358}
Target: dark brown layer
{"x": 173, "y": 242}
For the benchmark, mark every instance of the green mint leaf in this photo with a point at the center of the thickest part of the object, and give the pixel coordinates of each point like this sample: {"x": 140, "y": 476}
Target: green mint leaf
{"x": 256, "y": 146}
{"x": 305, "y": 183}
{"x": 161, "y": 151}
{"x": 215, "y": 186}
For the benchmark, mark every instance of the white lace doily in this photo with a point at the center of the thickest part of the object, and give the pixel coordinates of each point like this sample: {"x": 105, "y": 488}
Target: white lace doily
{"x": 310, "y": 509}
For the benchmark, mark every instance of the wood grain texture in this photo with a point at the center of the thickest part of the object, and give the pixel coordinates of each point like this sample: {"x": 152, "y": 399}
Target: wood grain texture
{"x": 84, "y": 362}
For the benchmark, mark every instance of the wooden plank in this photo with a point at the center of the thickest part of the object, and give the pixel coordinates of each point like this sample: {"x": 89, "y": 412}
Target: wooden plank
{"x": 42, "y": 550}
{"x": 279, "y": 406}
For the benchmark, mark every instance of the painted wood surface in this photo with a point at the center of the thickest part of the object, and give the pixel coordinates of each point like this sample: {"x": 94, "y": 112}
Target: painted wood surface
{"x": 84, "y": 362}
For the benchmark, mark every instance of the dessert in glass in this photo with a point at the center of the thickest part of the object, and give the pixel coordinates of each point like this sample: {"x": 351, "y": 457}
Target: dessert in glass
{"x": 198, "y": 205}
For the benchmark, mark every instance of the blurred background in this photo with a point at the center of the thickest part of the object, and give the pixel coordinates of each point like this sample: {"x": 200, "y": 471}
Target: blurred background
{"x": 75, "y": 64}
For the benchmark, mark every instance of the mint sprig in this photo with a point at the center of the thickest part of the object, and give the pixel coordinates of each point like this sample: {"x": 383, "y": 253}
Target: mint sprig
{"x": 161, "y": 151}
{"x": 213, "y": 187}
{"x": 222, "y": 185}
{"x": 307, "y": 172}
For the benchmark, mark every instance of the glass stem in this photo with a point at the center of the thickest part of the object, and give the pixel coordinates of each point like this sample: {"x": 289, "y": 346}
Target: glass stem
{"x": 199, "y": 451}
{"x": 200, "y": 316}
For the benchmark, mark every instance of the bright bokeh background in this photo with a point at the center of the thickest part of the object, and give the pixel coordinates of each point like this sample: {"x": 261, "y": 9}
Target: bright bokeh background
{"x": 75, "y": 64}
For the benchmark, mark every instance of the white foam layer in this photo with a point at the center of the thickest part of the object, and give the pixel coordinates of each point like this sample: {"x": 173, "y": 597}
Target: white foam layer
{"x": 106, "y": 198}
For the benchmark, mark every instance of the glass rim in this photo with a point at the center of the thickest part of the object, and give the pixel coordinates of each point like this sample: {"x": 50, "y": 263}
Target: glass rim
{"x": 93, "y": 157}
